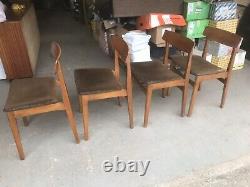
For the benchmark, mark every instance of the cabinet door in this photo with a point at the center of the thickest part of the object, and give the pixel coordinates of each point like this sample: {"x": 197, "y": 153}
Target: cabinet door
{"x": 13, "y": 51}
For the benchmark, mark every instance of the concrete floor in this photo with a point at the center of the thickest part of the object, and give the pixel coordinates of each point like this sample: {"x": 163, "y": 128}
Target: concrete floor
{"x": 175, "y": 146}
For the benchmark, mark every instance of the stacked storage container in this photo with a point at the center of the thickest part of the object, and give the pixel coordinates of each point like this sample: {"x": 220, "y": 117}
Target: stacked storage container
{"x": 196, "y": 14}
{"x": 223, "y": 15}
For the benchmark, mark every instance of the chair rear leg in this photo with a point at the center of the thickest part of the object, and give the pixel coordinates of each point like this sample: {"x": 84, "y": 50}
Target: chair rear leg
{"x": 119, "y": 101}
{"x": 15, "y": 133}
{"x": 165, "y": 92}
{"x": 194, "y": 95}
{"x": 26, "y": 121}
{"x": 80, "y": 103}
{"x": 225, "y": 91}
{"x": 147, "y": 106}
{"x": 168, "y": 91}
{"x": 72, "y": 122}
{"x": 130, "y": 111}
{"x": 200, "y": 87}
{"x": 85, "y": 115}
{"x": 184, "y": 100}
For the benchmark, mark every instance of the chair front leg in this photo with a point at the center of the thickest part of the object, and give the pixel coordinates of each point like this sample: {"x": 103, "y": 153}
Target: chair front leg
{"x": 15, "y": 133}
{"x": 194, "y": 95}
{"x": 85, "y": 115}
{"x": 147, "y": 106}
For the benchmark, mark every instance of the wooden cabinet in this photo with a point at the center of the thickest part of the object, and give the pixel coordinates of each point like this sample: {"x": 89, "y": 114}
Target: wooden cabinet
{"x": 131, "y": 8}
{"x": 19, "y": 43}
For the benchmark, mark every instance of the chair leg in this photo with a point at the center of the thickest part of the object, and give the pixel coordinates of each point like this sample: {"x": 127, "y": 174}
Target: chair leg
{"x": 15, "y": 132}
{"x": 130, "y": 110}
{"x": 184, "y": 100}
{"x": 200, "y": 87}
{"x": 194, "y": 95}
{"x": 72, "y": 122}
{"x": 168, "y": 91}
{"x": 119, "y": 101}
{"x": 163, "y": 93}
{"x": 80, "y": 104}
{"x": 26, "y": 121}
{"x": 85, "y": 114}
{"x": 147, "y": 106}
{"x": 164, "y": 90}
{"x": 224, "y": 95}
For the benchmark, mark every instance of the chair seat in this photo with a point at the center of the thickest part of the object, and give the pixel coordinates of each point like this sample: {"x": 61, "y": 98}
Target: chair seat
{"x": 95, "y": 80}
{"x": 199, "y": 65}
{"x": 31, "y": 92}
{"x": 148, "y": 73}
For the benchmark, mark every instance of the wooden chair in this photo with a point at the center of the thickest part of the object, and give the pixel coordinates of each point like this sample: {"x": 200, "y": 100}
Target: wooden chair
{"x": 203, "y": 70}
{"x": 154, "y": 75}
{"x": 102, "y": 83}
{"x": 38, "y": 95}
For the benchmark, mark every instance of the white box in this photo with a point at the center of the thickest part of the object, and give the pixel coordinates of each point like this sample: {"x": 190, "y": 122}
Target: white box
{"x": 2, "y": 72}
{"x": 240, "y": 58}
{"x": 215, "y": 48}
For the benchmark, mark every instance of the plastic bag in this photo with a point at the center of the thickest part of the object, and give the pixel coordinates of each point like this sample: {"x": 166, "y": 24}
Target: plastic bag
{"x": 2, "y": 13}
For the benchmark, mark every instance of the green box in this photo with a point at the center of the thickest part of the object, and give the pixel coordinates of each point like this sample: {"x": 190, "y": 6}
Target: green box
{"x": 196, "y": 28}
{"x": 194, "y": 10}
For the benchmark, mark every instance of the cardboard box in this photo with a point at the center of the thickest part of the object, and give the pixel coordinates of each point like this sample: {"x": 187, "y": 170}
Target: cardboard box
{"x": 224, "y": 10}
{"x": 223, "y": 62}
{"x": 194, "y": 9}
{"x": 215, "y": 48}
{"x": 157, "y": 33}
{"x": 227, "y": 25}
{"x": 196, "y": 28}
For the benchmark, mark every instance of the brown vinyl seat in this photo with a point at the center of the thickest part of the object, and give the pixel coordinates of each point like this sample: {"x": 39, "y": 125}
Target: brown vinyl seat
{"x": 93, "y": 81}
{"x": 102, "y": 83}
{"x": 154, "y": 75}
{"x": 32, "y": 96}
{"x": 203, "y": 70}
{"x": 31, "y": 92}
{"x": 147, "y": 73}
{"x": 199, "y": 65}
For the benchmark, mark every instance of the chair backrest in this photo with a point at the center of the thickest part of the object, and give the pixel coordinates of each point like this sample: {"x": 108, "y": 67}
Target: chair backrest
{"x": 223, "y": 37}
{"x": 56, "y": 53}
{"x": 121, "y": 55}
{"x": 181, "y": 43}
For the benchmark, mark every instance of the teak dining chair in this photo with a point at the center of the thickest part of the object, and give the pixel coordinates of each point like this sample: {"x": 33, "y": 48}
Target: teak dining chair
{"x": 203, "y": 70}
{"x": 32, "y": 96}
{"x": 102, "y": 83}
{"x": 155, "y": 75}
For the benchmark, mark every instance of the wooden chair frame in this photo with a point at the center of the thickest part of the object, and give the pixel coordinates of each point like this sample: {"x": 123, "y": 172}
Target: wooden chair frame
{"x": 121, "y": 52}
{"x": 226, "y": 38}
{"x": 182, "y": 44}
{"x": 60, "y": 106}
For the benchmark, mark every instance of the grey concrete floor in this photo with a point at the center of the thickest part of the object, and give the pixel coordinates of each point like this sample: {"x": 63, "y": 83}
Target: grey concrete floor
{"x": 175, "y": 146}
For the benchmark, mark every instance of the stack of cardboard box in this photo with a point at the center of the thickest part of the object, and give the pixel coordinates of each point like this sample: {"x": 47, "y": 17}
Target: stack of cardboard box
{"x": 196, "y": 14}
